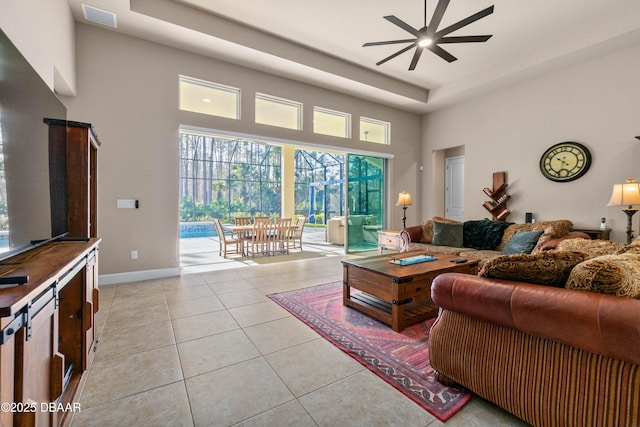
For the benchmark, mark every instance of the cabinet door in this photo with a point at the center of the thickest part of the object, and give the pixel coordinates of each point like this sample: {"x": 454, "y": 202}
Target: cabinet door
{"x": 39, "y": 368}
{"x": 91, "y": 305}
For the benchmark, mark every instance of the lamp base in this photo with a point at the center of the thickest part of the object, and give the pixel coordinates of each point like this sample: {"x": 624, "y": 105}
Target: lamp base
{"x": 630, "y": 211}
{"x": 404, "y": 217}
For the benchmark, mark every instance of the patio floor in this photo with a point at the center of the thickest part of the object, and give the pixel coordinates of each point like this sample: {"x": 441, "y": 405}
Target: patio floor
{"x": 199, "y": 254}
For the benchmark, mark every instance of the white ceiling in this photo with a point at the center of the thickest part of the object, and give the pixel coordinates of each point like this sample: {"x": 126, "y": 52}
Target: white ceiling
{"x": 320, "y": 41}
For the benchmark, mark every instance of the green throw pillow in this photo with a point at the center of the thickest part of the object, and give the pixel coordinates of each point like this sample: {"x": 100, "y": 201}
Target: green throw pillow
{"x": 445, "y": 234}
{"x": 522, "y": 242}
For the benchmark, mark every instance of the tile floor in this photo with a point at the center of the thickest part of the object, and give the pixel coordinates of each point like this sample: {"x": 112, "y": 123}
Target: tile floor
{"x": 210, "y": 349}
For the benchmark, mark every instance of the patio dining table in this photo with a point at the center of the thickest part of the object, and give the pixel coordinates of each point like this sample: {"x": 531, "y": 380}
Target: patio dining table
{"x": 244, "y": 231}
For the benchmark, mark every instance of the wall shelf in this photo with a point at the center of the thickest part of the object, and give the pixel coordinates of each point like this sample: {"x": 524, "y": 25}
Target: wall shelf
{"x": 497, "y": 206}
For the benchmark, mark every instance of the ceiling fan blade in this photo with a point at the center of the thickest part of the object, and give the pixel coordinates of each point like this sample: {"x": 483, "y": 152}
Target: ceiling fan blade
{"x": 416, "y": 58}
{"x": 442, "y": 53}
{"x": 466, "y": 21}
{"x": 389, "y": 42}
{"x": 401, "y": 51}
{"x": 400, "y": 23}
{"x": 437, "y": 16}
{"x": 464, "y": 39}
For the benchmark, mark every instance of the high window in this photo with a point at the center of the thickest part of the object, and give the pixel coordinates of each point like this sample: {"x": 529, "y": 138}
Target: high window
{"x": 274, "y": 111}
{"x": 333, "y": 123}
{"x": 372, "y": 130}
{"x": 204, "y": 97}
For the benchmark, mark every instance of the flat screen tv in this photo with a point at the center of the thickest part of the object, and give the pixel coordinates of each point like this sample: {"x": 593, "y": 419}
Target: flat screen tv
{"x": 25, "y": 100}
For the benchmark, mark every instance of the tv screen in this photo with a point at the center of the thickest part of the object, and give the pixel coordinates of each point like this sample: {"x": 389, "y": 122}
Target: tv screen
{"x": 25, "y": 100}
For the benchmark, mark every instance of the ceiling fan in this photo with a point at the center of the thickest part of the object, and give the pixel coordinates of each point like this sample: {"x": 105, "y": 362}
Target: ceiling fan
{"x": 429, "y": 37}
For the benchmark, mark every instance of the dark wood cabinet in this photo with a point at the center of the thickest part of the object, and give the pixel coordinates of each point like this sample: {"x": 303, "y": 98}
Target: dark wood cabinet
{"x": 73, "y": 169}
{"x": 48, "y": 334}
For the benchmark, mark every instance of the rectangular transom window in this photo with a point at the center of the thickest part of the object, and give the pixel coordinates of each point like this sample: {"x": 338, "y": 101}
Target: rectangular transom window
{"x": 274, "y": 111}
{"x": 372, "y": 130}
{"x": 333, "y": 123}
{"x": 204, "y": 97}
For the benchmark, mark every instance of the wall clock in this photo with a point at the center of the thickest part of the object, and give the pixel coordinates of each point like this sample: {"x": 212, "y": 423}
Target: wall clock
{"x": 565, "y": 161}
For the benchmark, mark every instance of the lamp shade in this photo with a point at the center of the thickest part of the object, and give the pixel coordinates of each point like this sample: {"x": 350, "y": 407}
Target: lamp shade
{"x": 626, "y": 194}
{"x": 404, "y": 199}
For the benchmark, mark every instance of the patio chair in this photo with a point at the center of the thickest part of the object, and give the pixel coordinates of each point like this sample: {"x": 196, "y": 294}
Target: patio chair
{"x": 296, "y": 233}
{"x": 280, "y": 237}
{"x": 242, "y": 220}
{"x": 226, "y": 241}
{"x": 259, "y": 241}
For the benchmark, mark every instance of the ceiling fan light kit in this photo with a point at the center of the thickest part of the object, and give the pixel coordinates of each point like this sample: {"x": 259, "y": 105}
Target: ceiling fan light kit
{"x": 429, "y": 37}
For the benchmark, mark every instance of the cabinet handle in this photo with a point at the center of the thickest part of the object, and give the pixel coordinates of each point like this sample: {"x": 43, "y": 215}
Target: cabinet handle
{"x": 57, "y": 375}
{"x": 96, "y": 300}
{"x": 87, "y": 319}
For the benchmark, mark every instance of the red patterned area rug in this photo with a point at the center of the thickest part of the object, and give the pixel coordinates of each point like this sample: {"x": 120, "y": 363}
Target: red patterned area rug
{"x": 399, "y": 358}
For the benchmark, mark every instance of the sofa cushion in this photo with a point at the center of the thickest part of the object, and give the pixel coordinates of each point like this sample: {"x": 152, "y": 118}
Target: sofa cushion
{"x": 427, "y": 228}
{"x": 608, "y": 274}
{"x": 522, "y": 242}
{"x": 553, "y": 243}
{"x": 592, "y": 248}
{"x": 447, "y": 234}
{"x": 546, "y": 268}
{"x": 483, "y": 234}
{"x": 552, "y": 230}
{"x": 633, "y": 247}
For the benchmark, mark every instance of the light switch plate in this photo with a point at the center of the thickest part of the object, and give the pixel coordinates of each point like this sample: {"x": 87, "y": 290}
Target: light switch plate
{"x": 126, "y": 203}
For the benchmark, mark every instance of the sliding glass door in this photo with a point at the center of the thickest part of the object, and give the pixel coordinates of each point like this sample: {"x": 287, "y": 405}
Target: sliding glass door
{"x": 365, "y": 202}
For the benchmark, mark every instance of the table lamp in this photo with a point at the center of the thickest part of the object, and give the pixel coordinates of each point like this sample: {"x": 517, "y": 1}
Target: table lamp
{"x": 627, "y": 194}
{"x": 404, "y": 200}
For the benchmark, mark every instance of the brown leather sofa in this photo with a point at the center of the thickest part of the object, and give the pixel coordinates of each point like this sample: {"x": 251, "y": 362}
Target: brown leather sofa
{"x": 551, "y": 356}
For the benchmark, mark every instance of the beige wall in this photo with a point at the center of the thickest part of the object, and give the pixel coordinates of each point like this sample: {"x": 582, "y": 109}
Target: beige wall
{"x": 43, "y": 31}
{"x": 128, "y": 89}
{"x": 594, "y": 103}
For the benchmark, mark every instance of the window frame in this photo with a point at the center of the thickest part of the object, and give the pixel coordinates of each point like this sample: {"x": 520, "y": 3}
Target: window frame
{"x": 215, "y": 86}
{"x": 346, "y": 116}
{"x": 282, "y": 101}
{"x": 385, "y": 125}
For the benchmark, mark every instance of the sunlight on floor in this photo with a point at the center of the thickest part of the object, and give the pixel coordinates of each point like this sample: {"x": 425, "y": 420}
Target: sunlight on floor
{"x": 201, "y": 253}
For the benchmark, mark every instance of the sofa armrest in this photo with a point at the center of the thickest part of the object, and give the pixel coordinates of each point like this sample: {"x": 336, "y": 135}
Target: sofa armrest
{"x": 414, "y": 233}
{"x": 601, "y": 324}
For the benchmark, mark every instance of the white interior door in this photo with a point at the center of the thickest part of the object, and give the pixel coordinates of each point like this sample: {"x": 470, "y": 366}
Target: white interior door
{"x": 454, "y": 191}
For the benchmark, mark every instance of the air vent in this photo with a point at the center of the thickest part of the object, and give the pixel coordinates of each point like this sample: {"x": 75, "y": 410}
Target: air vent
{"x": 99, "y": 16}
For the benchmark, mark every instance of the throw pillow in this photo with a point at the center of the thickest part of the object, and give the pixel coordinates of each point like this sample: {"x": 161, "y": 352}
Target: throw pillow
{"x": 427, "y": 228}
{"x": 447, "y": 234}
{"x": 483, "y": 234}
{"x": 545, "y": 268}
{"x": 522, "y": 242}
{"x": 608, "y": 274}
{"x": 592, "y": 248}
{"x": 552, "y": 230}
{"x": 427, "y": 231}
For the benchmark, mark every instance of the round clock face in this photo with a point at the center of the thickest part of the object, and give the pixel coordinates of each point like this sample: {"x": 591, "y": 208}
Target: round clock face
{"x": 565, "y": 161}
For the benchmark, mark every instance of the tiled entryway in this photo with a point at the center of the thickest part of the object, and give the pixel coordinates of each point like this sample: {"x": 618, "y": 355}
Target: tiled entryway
{"x": 210, "y": 349}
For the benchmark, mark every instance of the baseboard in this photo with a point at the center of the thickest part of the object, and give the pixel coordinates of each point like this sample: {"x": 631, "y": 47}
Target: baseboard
{"x": 136, "y": 276}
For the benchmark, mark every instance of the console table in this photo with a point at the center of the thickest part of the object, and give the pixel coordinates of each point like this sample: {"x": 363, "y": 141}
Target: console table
{"x": 595, "y": 233}
{"x": 47, "y": 339}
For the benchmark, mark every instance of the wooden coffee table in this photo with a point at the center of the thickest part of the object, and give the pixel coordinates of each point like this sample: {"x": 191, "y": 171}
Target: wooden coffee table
{"x": 398, "y": 295}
